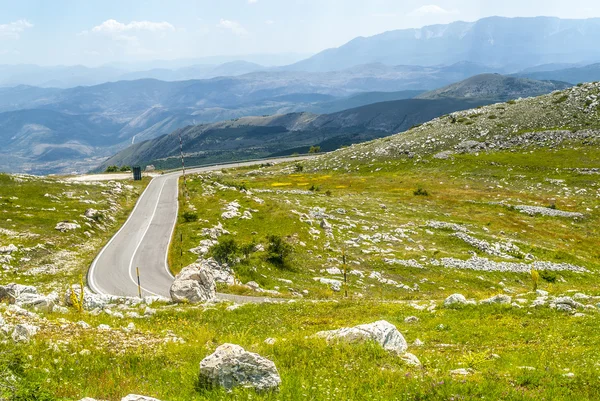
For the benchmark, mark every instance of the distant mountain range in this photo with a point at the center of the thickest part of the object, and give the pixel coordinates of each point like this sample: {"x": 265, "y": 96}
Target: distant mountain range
{"x": 47, "y": 130}
{"x": 510, "y": 44}
{"x": 253, "y": 137}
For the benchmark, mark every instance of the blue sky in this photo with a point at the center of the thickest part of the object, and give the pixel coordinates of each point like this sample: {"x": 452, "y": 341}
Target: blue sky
{"x": 52, "y": 32}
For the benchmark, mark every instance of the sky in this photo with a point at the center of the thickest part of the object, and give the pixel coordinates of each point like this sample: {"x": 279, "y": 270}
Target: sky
{"x": 98, "y": 32}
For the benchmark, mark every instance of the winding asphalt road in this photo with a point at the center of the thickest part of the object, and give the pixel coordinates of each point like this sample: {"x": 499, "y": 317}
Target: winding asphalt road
{"x": 143, "y": 241}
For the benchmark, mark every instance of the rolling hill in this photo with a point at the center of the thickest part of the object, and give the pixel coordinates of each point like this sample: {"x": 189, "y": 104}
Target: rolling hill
{"x": 253, "y": 137}
{"x": 574, "y": 75}
{"x": 495, "y": 86}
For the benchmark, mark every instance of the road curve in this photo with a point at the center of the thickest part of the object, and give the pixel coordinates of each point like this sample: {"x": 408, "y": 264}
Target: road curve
{"x": 143, "y": 241}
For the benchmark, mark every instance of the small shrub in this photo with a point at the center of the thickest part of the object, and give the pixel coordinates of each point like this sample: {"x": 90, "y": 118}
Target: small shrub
{"x": 548, "y": 276}
{"x": 125, "y": 168}
{"x": 189, "y": 216}
{"x": 561, "y": 99}
{"x": 492, "y": 117}
{"x": 225, "y": 250}
{"x": 247, "y": 249}
{"x": 314, "y": 149}
{"x": 314, "y": 188}
{"x": 328, "y": 193}
{"x": 278, "y": 251}
{"x": 420, "y": 192}
{"x": 511, "y": 102}
{"x": 111, "y": 169}
{"x": 299, "y": 168}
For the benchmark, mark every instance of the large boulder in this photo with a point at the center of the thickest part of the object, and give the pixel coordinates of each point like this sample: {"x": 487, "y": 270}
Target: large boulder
{"x": 221, "y": 272}
{"x": 232, "y": 366}
{"x": 194, "y": 284}
{"x": 457, "y": 300}
{"x": 383, "y": 332}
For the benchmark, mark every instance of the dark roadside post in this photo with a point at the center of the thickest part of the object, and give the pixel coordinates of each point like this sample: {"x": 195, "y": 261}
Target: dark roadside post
{"x": 137, "y": 270}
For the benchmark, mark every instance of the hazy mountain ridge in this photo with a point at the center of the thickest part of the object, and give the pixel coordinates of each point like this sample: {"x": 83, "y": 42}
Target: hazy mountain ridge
{"x": 513, "y": 43}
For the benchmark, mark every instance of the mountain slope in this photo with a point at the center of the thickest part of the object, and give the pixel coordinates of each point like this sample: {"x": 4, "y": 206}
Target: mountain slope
{"x": 562, "y": 117}
{"x": 514, "y": 43}
{"x": 495, "y": 86}
{"x": 251, "y": 137}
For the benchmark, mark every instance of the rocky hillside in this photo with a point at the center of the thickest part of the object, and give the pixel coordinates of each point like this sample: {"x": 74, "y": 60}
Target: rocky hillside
{"x": 495, "y": 86}
{"x": 562, "y": 116}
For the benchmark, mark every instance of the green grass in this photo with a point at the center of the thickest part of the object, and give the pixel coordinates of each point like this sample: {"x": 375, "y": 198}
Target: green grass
{"x": 550, "y": 342}
{"x": 466, "y": 190}
{"x": 31, "y": 207}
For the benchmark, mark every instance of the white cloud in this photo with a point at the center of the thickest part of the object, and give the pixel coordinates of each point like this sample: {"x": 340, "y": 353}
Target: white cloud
{"x": 112, "y": 26}
{"x": 252, "y": 1}
{"x": 431, "y": 9}
{"x": 13, "y": 30}
{"x": 233, "y": 26}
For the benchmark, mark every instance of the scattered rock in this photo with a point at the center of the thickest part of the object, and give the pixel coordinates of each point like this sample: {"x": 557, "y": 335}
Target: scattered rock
{"x": 23, "y": 332}
{"x": 7, "y": 250}
{"x": 381, "y": 331}
{"x": 411, "y": 359}
{"x": 411, "y": 319}
{"x": 498, "y": 299}
{"x": 135, "y": 397}
{"x": 461, "y": 372}
{"x": 232, "y": 366}
{"x": 335, "y": 285}
{"x": 65, "y": 226}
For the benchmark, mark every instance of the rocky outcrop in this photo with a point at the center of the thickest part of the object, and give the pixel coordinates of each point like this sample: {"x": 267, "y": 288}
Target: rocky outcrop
{"x": 27, "y": 296}
{"x": 231, "y": 366}
{"x": 381, "y": 332}
{"x": 194, "y": 284}
{"x": 65, "y": 226}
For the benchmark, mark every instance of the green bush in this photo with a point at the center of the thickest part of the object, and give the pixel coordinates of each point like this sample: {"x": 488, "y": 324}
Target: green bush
{"x": 125, "y": 168}
{"x": 112, "y": 169}
{"x": 247, "y": 249}
{"x": 420, "y": 192}
{"x": 278, "y": 251}
{"x": 314, "y": 149}
{"x": 189, "y": 216}
{"x": 548, "y": 276}
{"x": 299, "y": 168}
{"x": 225, "y": 250}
